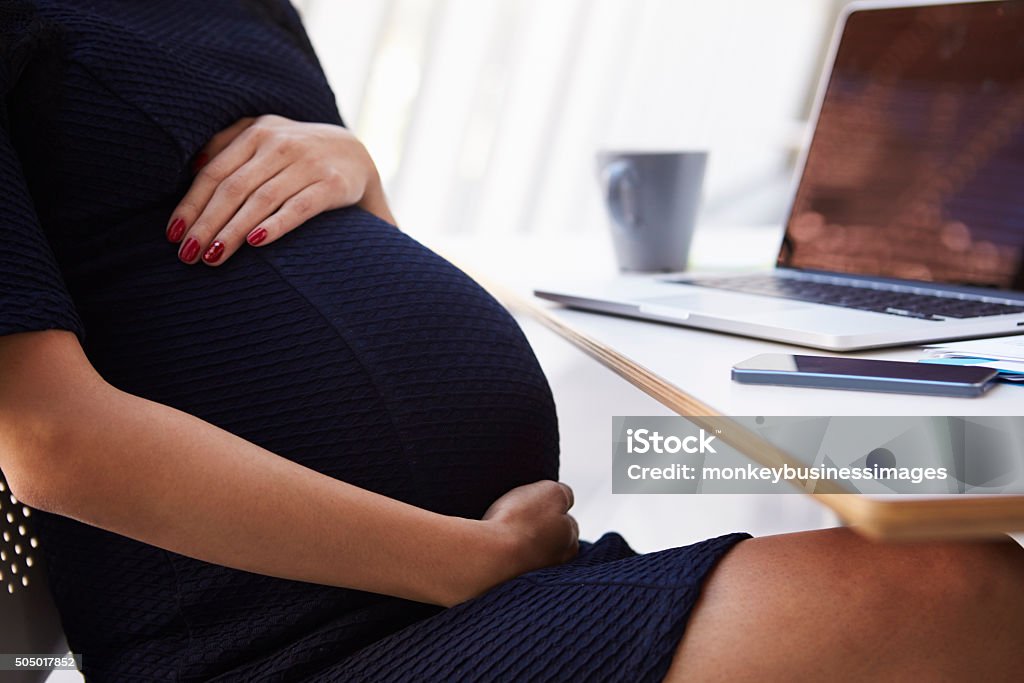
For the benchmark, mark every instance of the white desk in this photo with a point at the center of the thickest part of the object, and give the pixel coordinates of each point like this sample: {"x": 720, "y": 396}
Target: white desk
{"x": 699, "y": 363}
{"x": 689, "y": 371}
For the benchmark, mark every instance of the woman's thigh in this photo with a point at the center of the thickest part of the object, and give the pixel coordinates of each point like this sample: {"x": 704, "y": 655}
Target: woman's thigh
{"x": 830, "y": 604}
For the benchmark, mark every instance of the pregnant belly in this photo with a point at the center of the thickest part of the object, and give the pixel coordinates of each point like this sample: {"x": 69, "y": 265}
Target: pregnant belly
{"x": 347, "y": 347}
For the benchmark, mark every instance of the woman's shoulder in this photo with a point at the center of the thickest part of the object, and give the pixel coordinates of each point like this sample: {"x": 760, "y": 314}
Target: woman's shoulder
{"x": 18, "y": 18}
{"x": 22, "y": 27}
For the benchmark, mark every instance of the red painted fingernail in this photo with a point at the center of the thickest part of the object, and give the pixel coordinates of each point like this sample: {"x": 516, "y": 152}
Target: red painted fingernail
{"x": 176, "y": 230}
{"x": 199, "y": 162}
{"x": 257, "y": 236}
{"x": 214, "y": 253}
{"x": 189, "y": 250}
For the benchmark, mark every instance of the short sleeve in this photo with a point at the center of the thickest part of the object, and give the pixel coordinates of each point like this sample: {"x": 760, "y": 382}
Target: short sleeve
{"x": 32, "y": 292}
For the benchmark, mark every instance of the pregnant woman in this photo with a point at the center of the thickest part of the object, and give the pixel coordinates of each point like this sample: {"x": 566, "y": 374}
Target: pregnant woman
{"x": 271, "y": 437}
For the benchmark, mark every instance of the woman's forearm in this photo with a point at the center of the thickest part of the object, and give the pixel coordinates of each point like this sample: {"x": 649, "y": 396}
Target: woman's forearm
{"x": 166, "y": 478}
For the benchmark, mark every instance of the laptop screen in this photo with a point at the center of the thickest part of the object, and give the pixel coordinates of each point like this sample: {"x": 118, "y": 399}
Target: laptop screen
{"x": 916, "y": 167}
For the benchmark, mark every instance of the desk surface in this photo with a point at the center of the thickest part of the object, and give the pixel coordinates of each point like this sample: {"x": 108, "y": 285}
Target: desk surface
{"x": 688, "y": 370}
{"x": 699, "y": 363}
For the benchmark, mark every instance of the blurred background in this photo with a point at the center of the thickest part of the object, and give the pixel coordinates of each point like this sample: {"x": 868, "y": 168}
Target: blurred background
{"x": 484, "y": 115}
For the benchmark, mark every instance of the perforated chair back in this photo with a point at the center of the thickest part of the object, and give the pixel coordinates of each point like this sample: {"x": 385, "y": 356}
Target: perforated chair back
{"x": 29, "y": 623}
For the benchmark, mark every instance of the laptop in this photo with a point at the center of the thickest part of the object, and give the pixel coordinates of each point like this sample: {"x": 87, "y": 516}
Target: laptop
{"x": 907, "y": 222}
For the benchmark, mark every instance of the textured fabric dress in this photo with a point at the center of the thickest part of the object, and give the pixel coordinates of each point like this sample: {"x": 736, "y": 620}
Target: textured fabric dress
{"x": 345, "y": 346}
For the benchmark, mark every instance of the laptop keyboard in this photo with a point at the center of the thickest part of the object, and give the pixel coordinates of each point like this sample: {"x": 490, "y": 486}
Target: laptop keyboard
{"x": 909, "y": 304}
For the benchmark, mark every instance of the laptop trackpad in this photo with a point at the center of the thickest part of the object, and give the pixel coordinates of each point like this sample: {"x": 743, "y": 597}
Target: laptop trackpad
{"x": 718, "y": 304}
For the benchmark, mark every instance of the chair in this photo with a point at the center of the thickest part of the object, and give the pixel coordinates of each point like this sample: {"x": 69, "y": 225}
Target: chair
{"x": 29, "y": 623}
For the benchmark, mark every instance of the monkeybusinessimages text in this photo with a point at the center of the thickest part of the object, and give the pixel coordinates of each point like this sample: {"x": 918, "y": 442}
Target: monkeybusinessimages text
{"x": 646, "y": 441}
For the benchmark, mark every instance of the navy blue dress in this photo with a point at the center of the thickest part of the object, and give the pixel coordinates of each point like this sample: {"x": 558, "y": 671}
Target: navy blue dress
{"x": 346, "y": 347}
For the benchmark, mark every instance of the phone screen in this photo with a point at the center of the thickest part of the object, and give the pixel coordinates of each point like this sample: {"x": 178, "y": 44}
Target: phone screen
{"x": 860, "y": 367}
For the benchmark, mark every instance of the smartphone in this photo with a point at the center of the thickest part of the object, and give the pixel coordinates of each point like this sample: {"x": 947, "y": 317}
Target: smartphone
{"x": 860, "y": 374}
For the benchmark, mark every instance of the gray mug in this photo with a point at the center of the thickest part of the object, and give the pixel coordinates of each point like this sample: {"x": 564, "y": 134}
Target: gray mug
{"x": 653, "y": 198}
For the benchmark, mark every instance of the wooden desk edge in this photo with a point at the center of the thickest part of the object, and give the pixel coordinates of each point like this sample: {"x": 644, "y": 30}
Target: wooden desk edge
{"x": 882, "y": 519}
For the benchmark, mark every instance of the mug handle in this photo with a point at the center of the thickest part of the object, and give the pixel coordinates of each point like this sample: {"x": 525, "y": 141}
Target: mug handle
{"x": 620, "y": 183}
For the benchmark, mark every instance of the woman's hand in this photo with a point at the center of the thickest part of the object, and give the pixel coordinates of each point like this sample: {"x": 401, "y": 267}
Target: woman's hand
{"x": 263, "y": 177}
{"x": 532, "y": 527}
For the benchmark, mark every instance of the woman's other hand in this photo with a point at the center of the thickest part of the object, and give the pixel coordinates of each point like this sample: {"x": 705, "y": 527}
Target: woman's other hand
{"x": 533, "y": 529}
{"x": 262, "y": 178}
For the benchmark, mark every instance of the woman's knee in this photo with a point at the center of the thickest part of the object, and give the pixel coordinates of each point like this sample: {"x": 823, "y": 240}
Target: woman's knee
{"x": 944, "y": 579}
{"x": 962, "y": 574}
{"x": 867, "y": 606}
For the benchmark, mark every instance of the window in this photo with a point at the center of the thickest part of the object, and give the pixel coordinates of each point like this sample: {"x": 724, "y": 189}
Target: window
{"x": 484, "y": 115}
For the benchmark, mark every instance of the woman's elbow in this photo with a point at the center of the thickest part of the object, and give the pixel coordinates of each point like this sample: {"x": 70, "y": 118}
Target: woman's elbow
{"x": 28, "y": 488}
{"x": 37, "y": 459}
{"x": 48, "y": 387}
